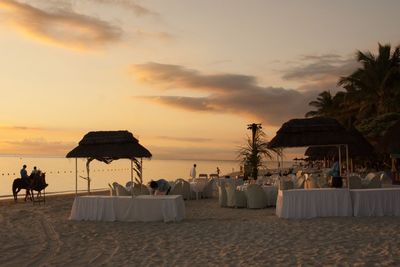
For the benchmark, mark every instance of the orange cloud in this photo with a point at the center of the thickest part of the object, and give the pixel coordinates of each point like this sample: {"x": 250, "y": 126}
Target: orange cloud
{"x": 61, "y": 28}
{"x": 38, "y": 146}
{"x": 224, "y": 93}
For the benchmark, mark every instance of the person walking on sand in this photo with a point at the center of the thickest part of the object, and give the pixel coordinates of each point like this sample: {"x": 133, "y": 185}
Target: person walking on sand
{"x": 193, "y": 172}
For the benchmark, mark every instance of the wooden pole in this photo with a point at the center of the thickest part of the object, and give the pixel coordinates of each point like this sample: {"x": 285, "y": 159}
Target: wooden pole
{"x": 141, "y": 171}
{"x": 340, "y": 161}
{"x": 347, "y": 165}
{"x": 76, "y": 177}
{"x": 88, "y": 173}
{"x": 132, "y": 177}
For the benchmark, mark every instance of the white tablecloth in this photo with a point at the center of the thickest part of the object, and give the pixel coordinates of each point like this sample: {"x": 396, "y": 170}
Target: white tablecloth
{"x": 141, "y": 208}
{"x": 310, "y": 203}
{"x": 376, "y": 202}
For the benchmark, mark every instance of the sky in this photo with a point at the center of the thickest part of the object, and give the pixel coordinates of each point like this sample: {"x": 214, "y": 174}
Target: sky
{"x": 186, "y": 77}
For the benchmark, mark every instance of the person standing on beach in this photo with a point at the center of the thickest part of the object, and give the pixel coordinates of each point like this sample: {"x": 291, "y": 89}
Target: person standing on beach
{"x": 193, "y": 172}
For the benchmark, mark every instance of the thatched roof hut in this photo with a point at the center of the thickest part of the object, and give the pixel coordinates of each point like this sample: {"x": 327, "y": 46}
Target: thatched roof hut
{"x": 391, "y": 139}
{"x": 318, "y": 131}
{"x": 109, "y": 145}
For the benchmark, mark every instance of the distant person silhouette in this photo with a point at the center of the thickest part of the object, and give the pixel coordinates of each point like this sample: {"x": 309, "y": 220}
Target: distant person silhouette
{"x": 193, "y": 172}
{"x": 24, "y": 175}
{"x": 34, "y": 171}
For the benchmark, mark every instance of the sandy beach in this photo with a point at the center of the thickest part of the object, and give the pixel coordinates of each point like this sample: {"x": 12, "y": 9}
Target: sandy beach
{"x": 33, "y": 235}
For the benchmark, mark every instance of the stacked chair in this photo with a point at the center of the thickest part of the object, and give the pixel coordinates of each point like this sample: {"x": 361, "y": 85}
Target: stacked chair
{"x": 140, "y": 190}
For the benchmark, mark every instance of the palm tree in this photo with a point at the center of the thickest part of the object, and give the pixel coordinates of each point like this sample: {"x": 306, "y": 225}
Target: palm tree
{"x": 256, "y": 149}
{"x": 324, "y": 105}
{"x": 375, "y": 85}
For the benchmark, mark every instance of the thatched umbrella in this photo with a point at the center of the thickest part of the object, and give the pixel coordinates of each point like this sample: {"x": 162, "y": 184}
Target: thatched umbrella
{"x": 317, "y": 131}
{"x": 107, "y": 146}
{"x": 359, "y": 147}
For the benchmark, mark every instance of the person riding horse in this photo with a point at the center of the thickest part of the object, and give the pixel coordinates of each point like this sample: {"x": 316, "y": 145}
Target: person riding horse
{"x": 24, "y": 175}
{"x": 36, "y": 181}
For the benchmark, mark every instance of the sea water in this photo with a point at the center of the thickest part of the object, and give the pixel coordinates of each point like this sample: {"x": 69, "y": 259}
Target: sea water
{"x": 60, "y": 172}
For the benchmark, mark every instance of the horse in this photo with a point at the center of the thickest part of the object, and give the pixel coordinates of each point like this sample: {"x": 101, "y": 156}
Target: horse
{"x": 35, "y": 182}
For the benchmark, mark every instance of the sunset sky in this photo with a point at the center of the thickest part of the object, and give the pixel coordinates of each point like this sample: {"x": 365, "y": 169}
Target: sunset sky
{"x": 184, "y": 76}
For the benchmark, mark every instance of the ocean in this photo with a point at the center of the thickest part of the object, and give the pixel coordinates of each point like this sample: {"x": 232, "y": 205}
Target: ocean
{"x": 60, "y": 172}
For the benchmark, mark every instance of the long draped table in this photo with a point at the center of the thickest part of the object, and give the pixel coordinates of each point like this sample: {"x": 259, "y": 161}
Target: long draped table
{"x": 144, "y": 208}
{"x": 376, "y": 202}
{"x": 311, "y": 203}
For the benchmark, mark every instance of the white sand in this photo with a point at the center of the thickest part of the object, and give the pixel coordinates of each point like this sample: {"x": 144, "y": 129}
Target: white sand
{"x": 33, "y": 235}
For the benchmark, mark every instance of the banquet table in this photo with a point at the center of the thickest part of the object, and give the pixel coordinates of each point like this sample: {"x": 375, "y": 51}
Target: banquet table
{"x": 143, "y": 208}
{"x": 311, "y": 203}
{"x": 376, "y": 202}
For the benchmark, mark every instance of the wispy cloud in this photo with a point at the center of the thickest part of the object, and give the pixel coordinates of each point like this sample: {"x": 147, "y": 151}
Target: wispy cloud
{"x": 320, "y": 68}
{"x": 198, "y": 153}
{"x": 162, "y": 36}
{"x": 59, "y": 27}
{"x": 185, "y": 139}
{"x": 136, "y": 8}
{"x": 21, "y": 128}
{"x": 231, "y": 93}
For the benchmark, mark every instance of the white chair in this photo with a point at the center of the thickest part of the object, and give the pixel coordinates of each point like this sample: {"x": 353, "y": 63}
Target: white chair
{"x": 186, "y": 192}
{"x": 385, "y": 179}
{"x": 177, "y": 189}
{"x": 355, "y": 182}
{"x": 375, "y": 182}
{"x": 222, "y": 195}
{"x": 121, "y": 190}
{"x": 140, "y": 190}
{"x": 235, "y": 198}
{"x": 285, "y": 184}
{"x": 112, "y": 190}
{"x": 300, "y": 183}
{"x": 239, "y": 181}
{"x": 322, "y": 181}
{"x": 256, "y": 197}
{"x": 311, "y": 182}
{"x": 208, "y": 191}
{"x": 370, "y": 176}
